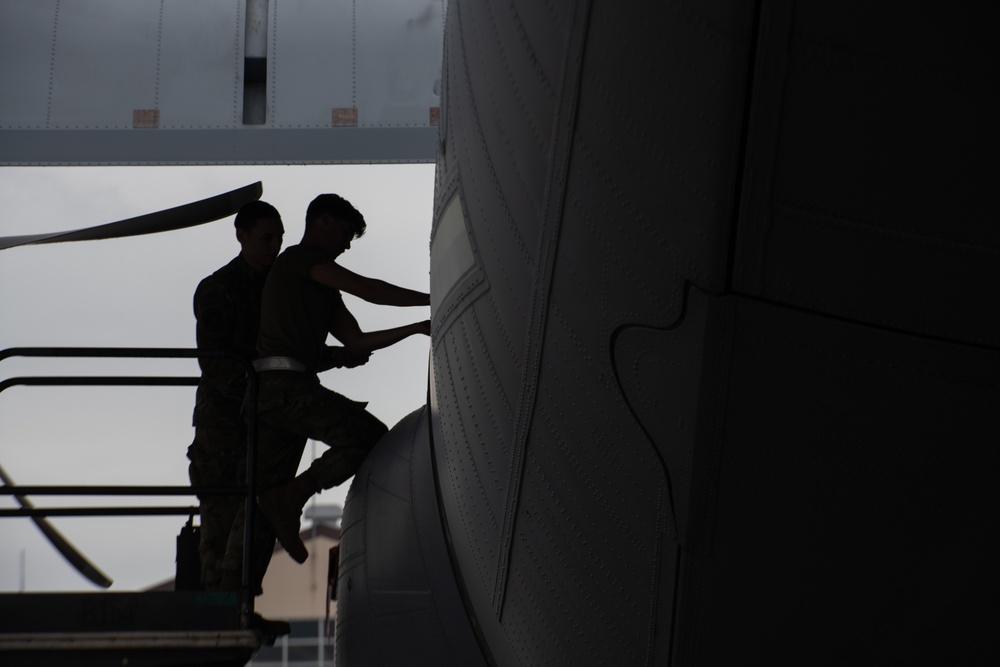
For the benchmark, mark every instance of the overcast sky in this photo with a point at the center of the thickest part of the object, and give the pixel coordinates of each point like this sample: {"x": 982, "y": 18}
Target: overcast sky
{"x": 137, "y": 293}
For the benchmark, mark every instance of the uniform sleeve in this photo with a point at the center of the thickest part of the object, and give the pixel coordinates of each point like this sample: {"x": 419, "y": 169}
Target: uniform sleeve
{"x": 303, "y": 261}
{"x": 226, "y": 319}
{"x": 215, "y": 314}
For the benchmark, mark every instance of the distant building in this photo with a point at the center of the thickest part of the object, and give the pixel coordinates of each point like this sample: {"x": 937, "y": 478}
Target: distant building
{"x": 298, "y": 594}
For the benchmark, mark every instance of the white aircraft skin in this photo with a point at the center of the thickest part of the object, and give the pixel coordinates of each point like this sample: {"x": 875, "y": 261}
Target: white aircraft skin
{"x": 713, "y": 358}
{"x": 714, "y": 369}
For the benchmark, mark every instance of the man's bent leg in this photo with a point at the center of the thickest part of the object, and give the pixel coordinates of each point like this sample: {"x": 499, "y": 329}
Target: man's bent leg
{"x": 278, "y": 456}
{"x": 214, "y": 456}
{"x": 315, "y": 412}
{"x": 350, "y": 439}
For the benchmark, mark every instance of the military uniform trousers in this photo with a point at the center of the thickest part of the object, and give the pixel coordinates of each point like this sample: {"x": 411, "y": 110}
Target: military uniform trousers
{"x": 293, "y": 407}
{"x": 217, "y": 458}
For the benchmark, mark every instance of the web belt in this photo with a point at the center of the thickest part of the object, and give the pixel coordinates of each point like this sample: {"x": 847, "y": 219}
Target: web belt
{"x": 279, "y": 364}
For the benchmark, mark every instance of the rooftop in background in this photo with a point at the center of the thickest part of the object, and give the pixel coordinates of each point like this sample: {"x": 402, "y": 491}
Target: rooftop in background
{"x": 293, "y": 591}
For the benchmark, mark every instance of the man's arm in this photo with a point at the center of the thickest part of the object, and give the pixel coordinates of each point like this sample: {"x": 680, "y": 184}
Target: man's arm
{"x": 347, "y": 331}
{"x": 215, "y": 319}
{"x": 222, "y": 324}
{"x": 373, "y": 290}
{"x": 341, "y": 357}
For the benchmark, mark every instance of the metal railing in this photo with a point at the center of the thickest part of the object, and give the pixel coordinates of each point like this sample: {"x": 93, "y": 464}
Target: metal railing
{"x": 248, "y": 491}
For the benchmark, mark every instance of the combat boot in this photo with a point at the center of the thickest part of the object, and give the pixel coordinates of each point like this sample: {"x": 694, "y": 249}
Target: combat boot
{"x": 282, "y": 507}
{"x": 268, "y": 627}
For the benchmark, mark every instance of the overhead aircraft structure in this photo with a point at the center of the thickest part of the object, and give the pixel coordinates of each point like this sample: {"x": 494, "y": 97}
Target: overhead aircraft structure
{"x": 219, "y": 82}
{"x": 715, "y": 366}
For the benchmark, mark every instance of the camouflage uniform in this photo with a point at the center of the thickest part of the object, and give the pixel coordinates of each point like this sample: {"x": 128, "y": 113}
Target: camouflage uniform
{"x": 294, "y": 409}
{"x": 293, "y": 406}
{"x": 296, "y": 317}
{"x": 227, "y": 308}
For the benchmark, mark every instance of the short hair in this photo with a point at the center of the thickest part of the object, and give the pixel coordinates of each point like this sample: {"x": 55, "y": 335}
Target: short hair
{"x": 253, "y": 211}
{"x": 339, "y": 208}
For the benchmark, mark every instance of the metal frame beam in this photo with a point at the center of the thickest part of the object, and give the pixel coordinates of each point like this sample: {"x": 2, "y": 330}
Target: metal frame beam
{"x": 342, "y": 145}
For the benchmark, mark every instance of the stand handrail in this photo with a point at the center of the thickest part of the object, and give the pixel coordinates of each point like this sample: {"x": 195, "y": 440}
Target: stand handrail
{"x": 78, "y": 490}
{"x": 246, "y": 596}
{"x": 120, "y": 353}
